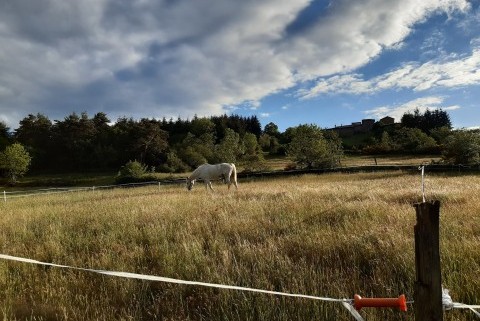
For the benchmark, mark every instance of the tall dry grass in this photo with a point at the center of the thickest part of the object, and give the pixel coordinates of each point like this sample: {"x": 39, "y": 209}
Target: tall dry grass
{"x": 325, "y": 235}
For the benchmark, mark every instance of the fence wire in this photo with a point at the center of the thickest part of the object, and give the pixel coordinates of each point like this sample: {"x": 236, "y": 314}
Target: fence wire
{"x": 60, "y": 190}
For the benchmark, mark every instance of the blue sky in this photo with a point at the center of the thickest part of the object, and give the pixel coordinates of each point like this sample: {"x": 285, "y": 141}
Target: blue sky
{"x": 288, "y": 62}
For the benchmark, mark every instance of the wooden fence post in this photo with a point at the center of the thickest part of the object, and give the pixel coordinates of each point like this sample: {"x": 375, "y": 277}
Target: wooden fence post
{"x": 428, "y": 283}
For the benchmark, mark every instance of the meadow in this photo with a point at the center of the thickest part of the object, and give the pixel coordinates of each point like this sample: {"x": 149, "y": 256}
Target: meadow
{"x": 330, "y": 235}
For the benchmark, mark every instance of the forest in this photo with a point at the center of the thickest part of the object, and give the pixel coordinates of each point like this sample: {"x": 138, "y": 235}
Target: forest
{"x": 80, "y": 143}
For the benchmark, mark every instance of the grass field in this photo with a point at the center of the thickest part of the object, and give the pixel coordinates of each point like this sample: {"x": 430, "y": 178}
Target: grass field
{"x": 325, "y": 235}
{"x": 279, "y": 163}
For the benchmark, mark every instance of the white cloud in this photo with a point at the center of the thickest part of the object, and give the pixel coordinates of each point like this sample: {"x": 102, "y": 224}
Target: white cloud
{"x": 355, "y": 32}
{"x": 435, "y": 41}
{"x": 339, "y": 84}
{"x": 470, "y": 23}
{"x": 179, "y": 58}
{"x": 422, "y": 104}
{"x": 253, "y": 104}
{"x": 446, "y": 72}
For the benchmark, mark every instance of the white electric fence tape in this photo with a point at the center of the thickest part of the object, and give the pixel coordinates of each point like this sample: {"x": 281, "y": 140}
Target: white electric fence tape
{"x": 346, "y": 302}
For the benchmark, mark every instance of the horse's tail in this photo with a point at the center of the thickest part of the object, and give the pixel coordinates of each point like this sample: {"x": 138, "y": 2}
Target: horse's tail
{"x": 234, "y": 174}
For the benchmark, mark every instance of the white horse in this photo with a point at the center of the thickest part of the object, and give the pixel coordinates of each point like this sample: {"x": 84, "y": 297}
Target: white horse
{"x": 208, "y": 172}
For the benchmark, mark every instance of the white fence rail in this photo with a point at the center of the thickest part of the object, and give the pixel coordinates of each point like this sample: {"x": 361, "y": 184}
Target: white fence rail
{"x": 58, "y": 190}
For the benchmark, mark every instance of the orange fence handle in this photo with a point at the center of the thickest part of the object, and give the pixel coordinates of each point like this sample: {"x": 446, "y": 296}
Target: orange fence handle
{"x": 400, "y": 302}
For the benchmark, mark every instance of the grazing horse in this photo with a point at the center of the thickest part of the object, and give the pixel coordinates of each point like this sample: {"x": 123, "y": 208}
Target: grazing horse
{"x": 208, "y": 172}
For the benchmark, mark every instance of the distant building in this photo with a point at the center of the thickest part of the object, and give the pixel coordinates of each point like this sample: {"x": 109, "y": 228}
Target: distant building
{"x": 387, "y": 120}
{"x": 364, "y": 126}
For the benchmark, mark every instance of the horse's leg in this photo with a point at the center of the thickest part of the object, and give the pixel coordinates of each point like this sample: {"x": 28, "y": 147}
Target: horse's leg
{"x": 209, "y": 184}
{"x": 229, "y": 181}
{"x": 234, "y": 183}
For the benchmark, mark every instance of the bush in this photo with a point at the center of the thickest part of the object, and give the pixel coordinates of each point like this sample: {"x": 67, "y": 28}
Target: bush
{"x": 133, "y": 171}
{"x": 462, "y": 147}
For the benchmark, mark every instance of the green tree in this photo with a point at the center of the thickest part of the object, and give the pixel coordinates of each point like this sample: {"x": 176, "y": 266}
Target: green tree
{"x": 386, "y": 142}
{"x": 335, "y": 148}
{"x": 74, "y": 142}
{"x": 124, "y": 132}
{"x": 253, "y": 126}
{"x": 250, "y": 144}
{"x": 150, "y": 141}
{"x": 198, "y": 146}
{"x": 229, "y": 147}
{"x": 191, "y": 151}
{"x": 173, "y": 163}
{"x": 426, "y": 121}
{"x": 272, "y": 140}
{"x": 144, "y": 140}
{"x": 310, "y": 148}
{"x": 15, "y": 160}
{"x": 104, "y": 154}
{"x": 4, "y": 135}
{"x": 414, "y": 140}
{"x": 269, "y": 144}
{"x": 463, "y": 147}
{"x": 35, "y": 133}
{"x": 201, "y": 126}
{"x": 271, "y": 129}
{"x": 253, "y": 157}
{"x": 440, "y": 134}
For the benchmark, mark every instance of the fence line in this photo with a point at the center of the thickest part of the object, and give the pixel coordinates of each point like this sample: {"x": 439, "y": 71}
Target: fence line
{"x": 348, "y": 304}
{"x": 60, "y": 190}
{"x": 363, "y": 168}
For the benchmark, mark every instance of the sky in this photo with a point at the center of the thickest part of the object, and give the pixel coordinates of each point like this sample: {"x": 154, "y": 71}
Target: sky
{"x": 328, "y": 63}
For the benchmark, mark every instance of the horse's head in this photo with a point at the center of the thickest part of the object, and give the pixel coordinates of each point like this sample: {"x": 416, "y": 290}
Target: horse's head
{"x": 190, "y": 183}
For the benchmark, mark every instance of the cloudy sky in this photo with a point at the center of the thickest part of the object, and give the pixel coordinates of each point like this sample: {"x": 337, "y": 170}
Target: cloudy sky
{"x": 288, "y": 62}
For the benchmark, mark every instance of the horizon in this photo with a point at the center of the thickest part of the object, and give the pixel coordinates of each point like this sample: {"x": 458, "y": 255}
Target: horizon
{"x": 112, "y": 123}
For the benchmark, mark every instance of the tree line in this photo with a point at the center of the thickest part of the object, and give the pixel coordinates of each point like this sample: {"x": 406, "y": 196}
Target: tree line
{"x": 430, "y": 132}
{"x": 83, "y": 143}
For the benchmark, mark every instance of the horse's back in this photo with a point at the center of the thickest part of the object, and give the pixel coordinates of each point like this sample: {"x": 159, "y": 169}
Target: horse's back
{"x": 211, "y": 171}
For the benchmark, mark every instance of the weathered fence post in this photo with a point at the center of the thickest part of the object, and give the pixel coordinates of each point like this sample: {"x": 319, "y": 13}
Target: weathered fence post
{"x": 428, "y": 283}
{"x": 5, "y": 196}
